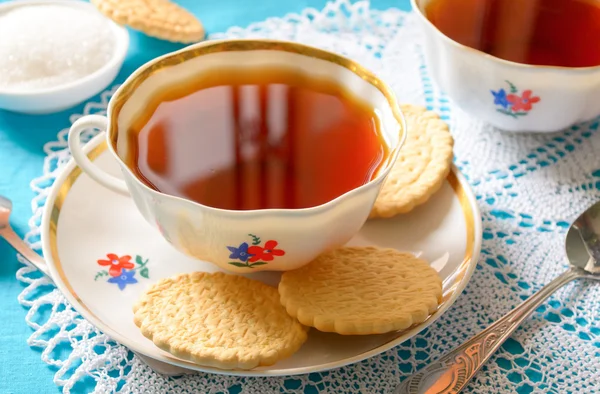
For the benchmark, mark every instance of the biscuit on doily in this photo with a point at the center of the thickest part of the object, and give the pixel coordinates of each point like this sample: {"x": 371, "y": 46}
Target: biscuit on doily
{"x": 219, "y": 320}
{"x": 157, "y": 18}
{"x": 423, "y": 163}
{"x": 361, "y": 291}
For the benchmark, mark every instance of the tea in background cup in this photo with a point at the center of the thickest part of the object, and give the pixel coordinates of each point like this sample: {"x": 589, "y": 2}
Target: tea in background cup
{"x": 250, "y": 154}
{"x": 520, "y": 65}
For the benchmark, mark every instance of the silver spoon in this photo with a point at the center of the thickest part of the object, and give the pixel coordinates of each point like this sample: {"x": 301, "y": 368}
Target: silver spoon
{"x": 38, "y": 262}
{"x": 15, "y": 241}
{"x": 451, "y": 373}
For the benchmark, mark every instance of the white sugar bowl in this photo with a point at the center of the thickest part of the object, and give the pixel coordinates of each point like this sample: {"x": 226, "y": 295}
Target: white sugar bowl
{"x": 54, "y": 54}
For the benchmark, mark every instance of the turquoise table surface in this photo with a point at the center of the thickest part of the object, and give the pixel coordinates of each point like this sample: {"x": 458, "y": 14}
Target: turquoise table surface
{"x": 21, "y": 158}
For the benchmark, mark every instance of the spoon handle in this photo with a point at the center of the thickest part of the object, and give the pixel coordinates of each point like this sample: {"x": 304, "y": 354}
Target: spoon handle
{"x": 451, "y": 373}
{"x": 24, "y": 250}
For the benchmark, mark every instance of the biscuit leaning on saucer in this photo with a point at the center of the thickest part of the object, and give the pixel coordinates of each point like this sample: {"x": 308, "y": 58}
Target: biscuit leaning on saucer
{"x": 361, "y": 291}
{"x": 423, "y": 163}
{"x": 219, "y": 320}
{"x": 158, "y": 18}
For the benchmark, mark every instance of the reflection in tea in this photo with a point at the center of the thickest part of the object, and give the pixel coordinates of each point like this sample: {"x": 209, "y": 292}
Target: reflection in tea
{"x": 539, "y": 32}
{"x": 241, "y": 139}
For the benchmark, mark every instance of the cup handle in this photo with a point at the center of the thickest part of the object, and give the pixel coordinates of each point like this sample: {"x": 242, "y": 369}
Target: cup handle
{"x": 100, "y": 122}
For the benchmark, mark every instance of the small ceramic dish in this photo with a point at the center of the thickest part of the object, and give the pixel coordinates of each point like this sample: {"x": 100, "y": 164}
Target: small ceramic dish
{"x": 83, "y": 222}
{"x": 550, "y": 98}
{"x": 61, "y": 97}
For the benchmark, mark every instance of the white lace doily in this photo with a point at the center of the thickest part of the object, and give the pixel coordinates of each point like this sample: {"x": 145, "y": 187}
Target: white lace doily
{"x": 529, "y": 188}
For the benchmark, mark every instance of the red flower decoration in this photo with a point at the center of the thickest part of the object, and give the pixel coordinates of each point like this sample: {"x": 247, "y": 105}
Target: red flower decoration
{"x": 267, "y": 253}
{"x": 522, "y": 103}
{"x": 116, "y": 263}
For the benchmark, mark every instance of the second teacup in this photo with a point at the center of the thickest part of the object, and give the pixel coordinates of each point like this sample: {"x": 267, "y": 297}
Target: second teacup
{"x": 513, "y": 95}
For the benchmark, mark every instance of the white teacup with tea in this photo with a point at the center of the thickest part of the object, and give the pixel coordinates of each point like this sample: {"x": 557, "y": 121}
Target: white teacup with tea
{"x": 250, "y": 154}
{"x": 523, "y": 66}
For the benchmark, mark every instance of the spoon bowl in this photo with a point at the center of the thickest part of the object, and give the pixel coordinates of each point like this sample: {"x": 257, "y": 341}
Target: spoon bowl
{"x": 582, "y": 243}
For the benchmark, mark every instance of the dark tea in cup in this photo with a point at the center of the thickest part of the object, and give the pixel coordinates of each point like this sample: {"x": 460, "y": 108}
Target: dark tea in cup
{"x": 538, "y": 32}
{"x": 243, "y": 139}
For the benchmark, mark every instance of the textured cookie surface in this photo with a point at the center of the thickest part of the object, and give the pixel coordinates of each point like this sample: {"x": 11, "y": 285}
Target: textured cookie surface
{"x": 423, "y": 163}
{"x": 220, "y": 320}
{"x": 361, "y": 290}
{"x": 158, "y": 18}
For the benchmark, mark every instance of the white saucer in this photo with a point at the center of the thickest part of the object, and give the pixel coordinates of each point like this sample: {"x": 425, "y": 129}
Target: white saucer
{"x": 83, "y": 222}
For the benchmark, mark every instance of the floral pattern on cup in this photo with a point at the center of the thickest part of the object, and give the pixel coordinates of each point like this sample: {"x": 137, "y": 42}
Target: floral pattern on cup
{"x": 514, "y": 103}
{"x": 252, "y": 254}
{"x": 121, "y": 270}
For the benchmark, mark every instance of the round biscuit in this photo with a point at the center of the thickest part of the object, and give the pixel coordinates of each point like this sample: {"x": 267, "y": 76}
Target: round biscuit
{"x": 157, "y": 18}
{"x": 423, "y": 163}
{"x": 218, "y": 320}
{"x": 361, "y": 291}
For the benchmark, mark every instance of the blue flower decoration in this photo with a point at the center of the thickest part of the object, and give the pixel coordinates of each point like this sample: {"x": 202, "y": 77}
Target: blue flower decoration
{"x": 126, "y": 278}
{"x": 240, "y": 253}
{"x": 500, "y": 98}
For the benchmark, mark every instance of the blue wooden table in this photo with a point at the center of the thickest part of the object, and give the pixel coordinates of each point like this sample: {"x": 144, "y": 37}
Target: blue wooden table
{"x": 21, "y": 158}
